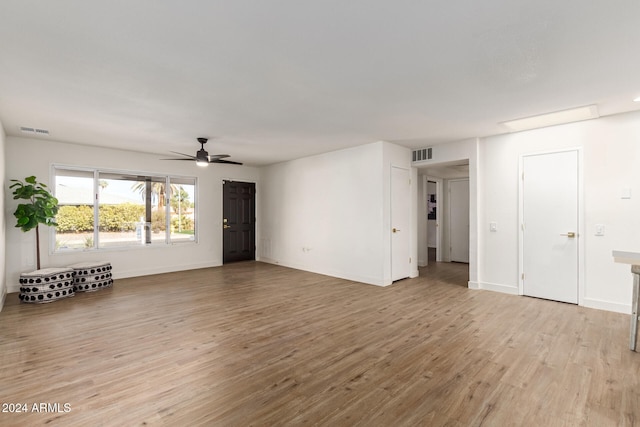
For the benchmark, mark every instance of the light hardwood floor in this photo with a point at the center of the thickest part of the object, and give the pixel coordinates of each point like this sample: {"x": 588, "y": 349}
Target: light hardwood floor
{"x": 257, "y": 344}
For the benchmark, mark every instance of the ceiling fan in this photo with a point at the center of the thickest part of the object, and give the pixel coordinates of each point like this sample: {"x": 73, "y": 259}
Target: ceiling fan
{"x": 202, "y": 158}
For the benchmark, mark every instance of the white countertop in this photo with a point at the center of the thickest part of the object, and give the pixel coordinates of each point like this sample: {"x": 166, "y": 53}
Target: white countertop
{"x": 627, "y": 257}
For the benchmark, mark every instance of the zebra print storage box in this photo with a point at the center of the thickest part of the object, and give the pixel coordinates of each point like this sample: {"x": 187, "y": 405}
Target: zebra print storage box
{"x": 91, "y": 276}
{"x": 46, "y": 285}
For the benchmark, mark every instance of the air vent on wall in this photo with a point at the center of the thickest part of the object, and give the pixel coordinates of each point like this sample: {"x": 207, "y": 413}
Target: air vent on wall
{"x": 422, "y": 154}
{"x": 36, "y": 131}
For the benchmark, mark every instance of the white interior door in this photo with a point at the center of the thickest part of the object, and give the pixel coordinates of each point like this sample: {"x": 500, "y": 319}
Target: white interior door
{"x": 400, "y": 223}
{"x": 550, "y": 214}
{"x": 459, "y": 220}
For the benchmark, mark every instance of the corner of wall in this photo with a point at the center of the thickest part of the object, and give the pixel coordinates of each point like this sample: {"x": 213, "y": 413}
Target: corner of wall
{"x": 3, "y": 275}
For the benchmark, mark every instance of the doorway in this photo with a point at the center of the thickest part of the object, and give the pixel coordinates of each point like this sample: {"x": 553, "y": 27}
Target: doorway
{"x": 442, "y": 174}
{"x": 550, "y": 216}
{"x": 239, "y": 221}
{"x": 434, "y": 208}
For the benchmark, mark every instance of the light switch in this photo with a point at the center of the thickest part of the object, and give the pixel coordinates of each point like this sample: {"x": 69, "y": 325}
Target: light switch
{"x": 493, "y": 226}
{"x": 599, "y": 229}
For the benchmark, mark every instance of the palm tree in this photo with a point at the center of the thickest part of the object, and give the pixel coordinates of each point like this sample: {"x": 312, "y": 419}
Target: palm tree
{"x": 157, "y": 191}
{"x": 179, "y": 199}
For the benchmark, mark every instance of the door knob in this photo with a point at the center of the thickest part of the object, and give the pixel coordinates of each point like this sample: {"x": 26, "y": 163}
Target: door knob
{"x": 570, "y": 234}
{"x": 226, "y": 226}
{"x": 395, "y": 230}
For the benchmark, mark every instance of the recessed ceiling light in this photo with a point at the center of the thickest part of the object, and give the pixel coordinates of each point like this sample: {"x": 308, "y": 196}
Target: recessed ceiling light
{"x": 555, "y": 118}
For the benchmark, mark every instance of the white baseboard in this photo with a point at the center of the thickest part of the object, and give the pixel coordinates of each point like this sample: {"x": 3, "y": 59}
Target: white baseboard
{"x": 606, "y": 305}
{"x": 332, "y": 273}
{"x": 118, "y": 274}
{"x": 495, "y": 287}
{"x": 586, "y": 302}
{"x": 473, "y": 285}
{"x": 161, "y": 270}
{"x": 507, "y": 289}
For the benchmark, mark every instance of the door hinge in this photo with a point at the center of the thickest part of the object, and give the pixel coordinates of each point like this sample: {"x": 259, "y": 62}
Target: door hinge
{"x": 409, "y": 260}
{"x": 522, "y": 276}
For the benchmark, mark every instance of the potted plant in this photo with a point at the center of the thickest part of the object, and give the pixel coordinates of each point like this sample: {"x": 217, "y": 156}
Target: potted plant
{"x": 41, "y": 207}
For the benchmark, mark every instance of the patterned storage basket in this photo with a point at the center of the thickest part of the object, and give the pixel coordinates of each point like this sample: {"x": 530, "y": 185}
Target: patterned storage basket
{"x": 46, "y": 285}
{"x": 91, "y": 276}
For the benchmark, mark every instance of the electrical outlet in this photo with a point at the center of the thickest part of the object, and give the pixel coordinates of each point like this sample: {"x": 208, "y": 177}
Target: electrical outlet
{"x": 626, "y": 193}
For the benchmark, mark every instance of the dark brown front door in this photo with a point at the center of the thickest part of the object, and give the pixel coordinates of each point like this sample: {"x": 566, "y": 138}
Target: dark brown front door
{"x": 239, "y": 221}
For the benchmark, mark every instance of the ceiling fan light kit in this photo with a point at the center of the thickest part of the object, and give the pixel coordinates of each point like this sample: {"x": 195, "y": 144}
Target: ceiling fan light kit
{"x": 202, "y": 157}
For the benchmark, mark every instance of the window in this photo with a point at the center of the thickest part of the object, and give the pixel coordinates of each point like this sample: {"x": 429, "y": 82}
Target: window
{"x": 108, "y": 209}
{"x": 74, "y": 191}
{"x": 181, "y": 203}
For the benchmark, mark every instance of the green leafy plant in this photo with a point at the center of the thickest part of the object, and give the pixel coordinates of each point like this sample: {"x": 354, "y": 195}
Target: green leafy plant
{"x": 41, "y": 207}
{"x": 74, "y": 219}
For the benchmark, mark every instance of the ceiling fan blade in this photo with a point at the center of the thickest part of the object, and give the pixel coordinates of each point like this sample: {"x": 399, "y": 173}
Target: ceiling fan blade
{"x": 182, "y": 154}
{"x": 229, "y": 162}
{"x": 202, "y": 156}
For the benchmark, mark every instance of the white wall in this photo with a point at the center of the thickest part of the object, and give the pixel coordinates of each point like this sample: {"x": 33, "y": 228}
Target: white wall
{"x": 611, "y": 151}
{"x": 26, "y": 157}
{"x": 330, "y": 213}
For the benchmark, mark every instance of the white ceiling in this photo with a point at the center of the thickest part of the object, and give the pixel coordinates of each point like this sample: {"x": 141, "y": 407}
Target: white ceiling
{"x": 281, "y": 79}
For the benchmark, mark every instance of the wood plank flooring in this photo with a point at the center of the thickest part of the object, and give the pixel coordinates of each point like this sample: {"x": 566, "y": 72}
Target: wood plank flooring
{"x": 254, "y": 344}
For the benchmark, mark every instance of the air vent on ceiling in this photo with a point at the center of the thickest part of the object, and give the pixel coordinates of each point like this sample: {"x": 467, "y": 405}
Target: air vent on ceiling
{"x": 422, "y": 154}
{"x": 36, "y": 131}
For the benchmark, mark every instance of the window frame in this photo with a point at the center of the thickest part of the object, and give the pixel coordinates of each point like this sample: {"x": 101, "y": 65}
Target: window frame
{"x": 154, "y": 177}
